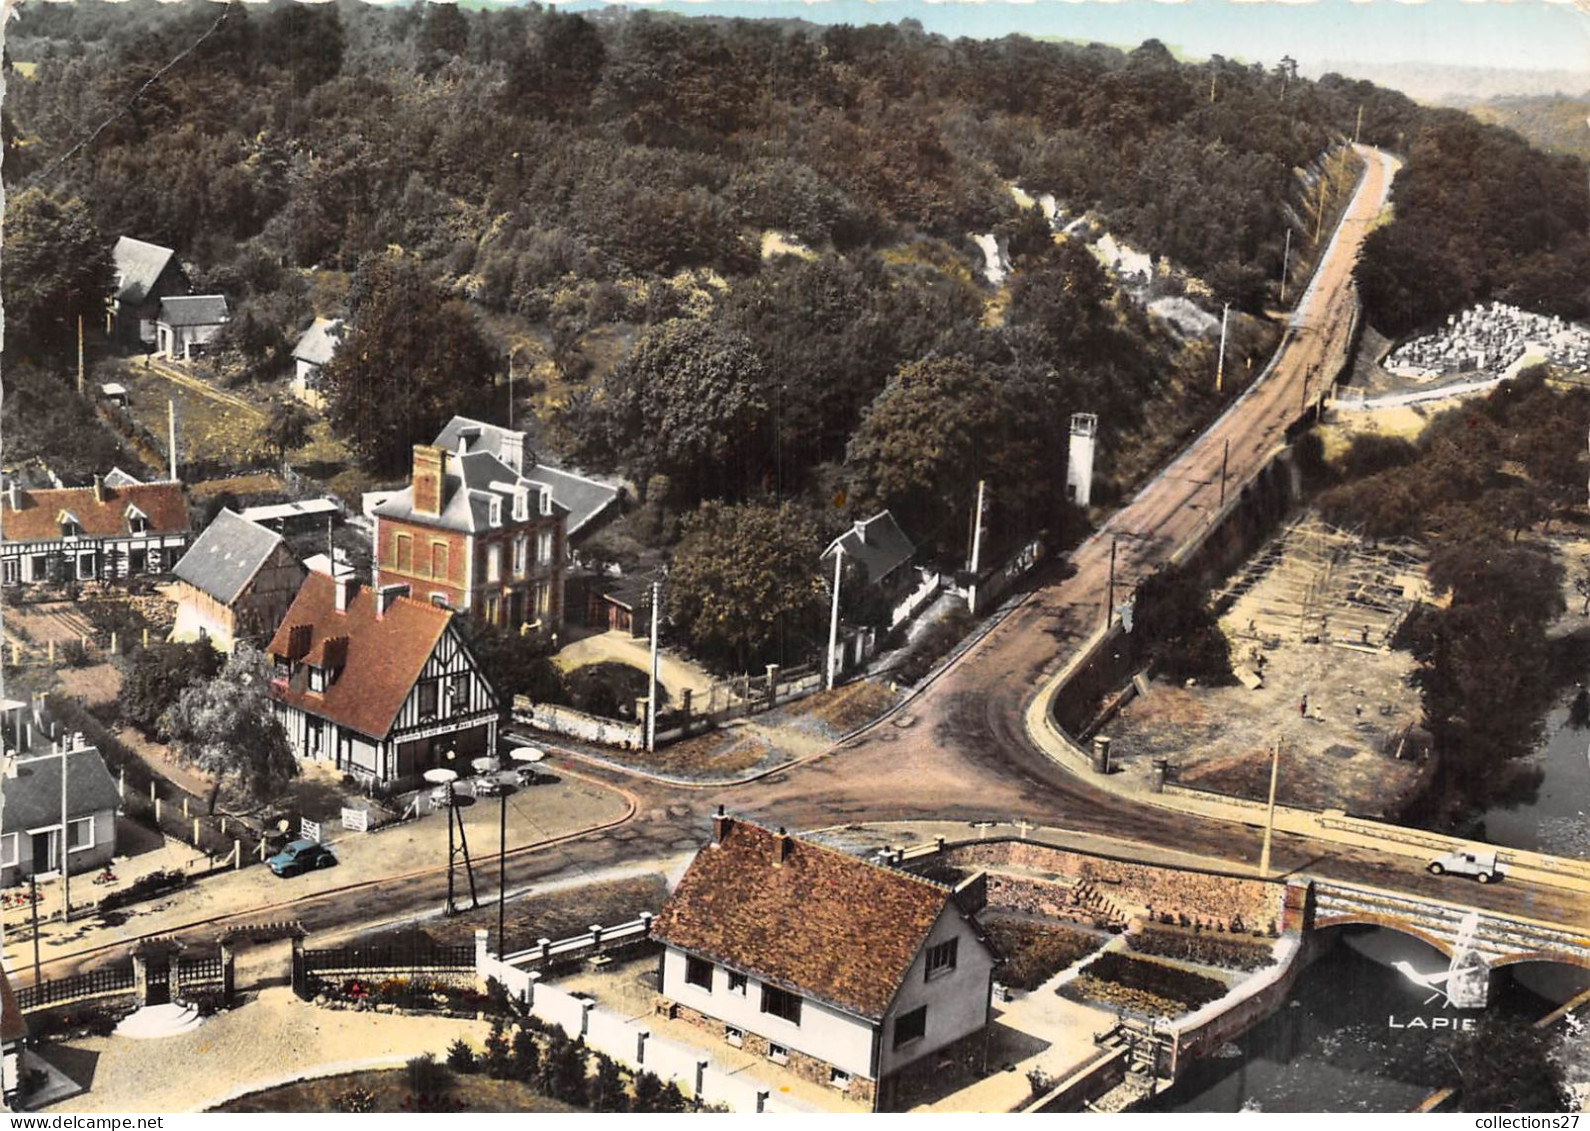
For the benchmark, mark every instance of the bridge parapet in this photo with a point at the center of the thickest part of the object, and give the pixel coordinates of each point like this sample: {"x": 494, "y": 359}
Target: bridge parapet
{"x": 1498, "y": 937}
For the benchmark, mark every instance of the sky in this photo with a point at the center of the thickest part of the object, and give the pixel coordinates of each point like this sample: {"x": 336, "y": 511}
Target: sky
{"x": 1509, "y": 34}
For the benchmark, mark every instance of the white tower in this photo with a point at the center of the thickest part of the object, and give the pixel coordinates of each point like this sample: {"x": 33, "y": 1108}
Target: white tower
{"x": 1079, "y": 465}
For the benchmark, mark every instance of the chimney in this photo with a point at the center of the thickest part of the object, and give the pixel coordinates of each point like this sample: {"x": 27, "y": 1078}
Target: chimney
{"x": 861, "y": 533}
{"x": 344, "y": 585}
{"x": 99, "y": 488}
{"x": 514, "y": 450}
{"x": 385, "y": 595}
{"x": 12, "y": 496}
{"x": 721, "y": 823}
{"x": 430, "y": 464}
{"x": 298, "y": 639}
{"x": 781, "y": 843}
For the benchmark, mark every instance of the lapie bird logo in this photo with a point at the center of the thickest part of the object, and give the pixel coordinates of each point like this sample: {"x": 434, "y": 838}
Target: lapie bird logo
{"x": 1436, "y": 984}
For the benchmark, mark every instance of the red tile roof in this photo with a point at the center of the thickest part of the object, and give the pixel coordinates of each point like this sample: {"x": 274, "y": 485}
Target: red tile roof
{"x": 384, "y": 656}
{"x": 35, "y": 519}
{"x": 823, "y": 924}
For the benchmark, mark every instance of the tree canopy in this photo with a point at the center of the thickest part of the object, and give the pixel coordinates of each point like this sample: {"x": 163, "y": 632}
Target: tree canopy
{"x": 227, "y": 727}
{"x": 55, "y": 268}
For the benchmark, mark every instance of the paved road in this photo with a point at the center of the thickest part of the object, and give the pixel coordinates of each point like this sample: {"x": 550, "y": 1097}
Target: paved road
{"x": 960, "y": 751}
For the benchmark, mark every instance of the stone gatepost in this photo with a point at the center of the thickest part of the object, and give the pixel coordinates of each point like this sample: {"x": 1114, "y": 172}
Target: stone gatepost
{"x": 1161, "y": 769}
{"x": 1101, "y": 754}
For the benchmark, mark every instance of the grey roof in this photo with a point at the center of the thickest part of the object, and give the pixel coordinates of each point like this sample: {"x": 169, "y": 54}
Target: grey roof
{"x": 139, "y": 265}
{"x": 116, "y": 477}
{"x": 878, "y": 544}
{"x": 320, "y": 341}
{"x": 226, "y": 556}
{"x": 32, "y": 799}
{"x": 584, "y": 498}
{"x": 467, "y": 493}
{"x": 193, "y": 310}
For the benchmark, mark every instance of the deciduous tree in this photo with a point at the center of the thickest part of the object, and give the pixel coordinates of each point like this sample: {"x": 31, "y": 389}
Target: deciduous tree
{"x": 227, "y": 727}
{"x": 55, "y": 268}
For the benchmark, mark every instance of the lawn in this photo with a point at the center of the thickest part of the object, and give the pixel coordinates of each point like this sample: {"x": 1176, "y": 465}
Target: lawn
{"x": 1036, "y": 952}
{"x": 390, "y": 1092}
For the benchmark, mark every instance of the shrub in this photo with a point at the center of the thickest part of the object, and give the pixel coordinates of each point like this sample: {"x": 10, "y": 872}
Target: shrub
{"x": 499, "y": 1056}
{"x": 1230, "y": 953}
{"x": 356, "y": 1099}
{"x": 427, "y": 1077}
{"x": 460, "y": 1057}
{"x": 1144, "y": 986}
{"x": 526, "y": 1056}
{"x": 1035, "y": 952}
{"x": 604, "y": 1091}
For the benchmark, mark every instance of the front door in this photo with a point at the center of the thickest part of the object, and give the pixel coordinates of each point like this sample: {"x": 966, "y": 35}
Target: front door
{"x": 46, "y": 851}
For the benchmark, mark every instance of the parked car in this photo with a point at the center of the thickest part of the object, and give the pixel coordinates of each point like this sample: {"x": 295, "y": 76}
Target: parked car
{"x": 301, "y": 856}
{"x": 1482, "y": 866}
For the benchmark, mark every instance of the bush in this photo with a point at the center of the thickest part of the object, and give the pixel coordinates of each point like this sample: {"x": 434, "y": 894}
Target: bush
{"x": 526, "y": 1056}
{"x": 356, "y": 1100}
{"x": 427, "y": 1077}
{"x": 145, "y": 887}
{"x": 1036, "y": 952}
{"x": 1230, "y": 953}
{"x": 499, "y": 1055}
{"x": 933, "y": 645}
{"x": 460, "y": 1057}
{"x": 1143, "y": 986}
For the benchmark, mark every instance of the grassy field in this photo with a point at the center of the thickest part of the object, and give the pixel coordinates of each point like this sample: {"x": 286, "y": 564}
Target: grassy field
{"x": 391, "y": 1093}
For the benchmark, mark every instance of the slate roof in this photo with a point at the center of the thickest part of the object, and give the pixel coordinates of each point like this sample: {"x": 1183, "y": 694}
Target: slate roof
{"x": 139, "y": 265}
{"x": 823, "y": 924}
{"x": 320, "y": 341}
{"x": 384, "y": 656}
{"x": 225, "y": 558}
{"x": 116, "y": 477}
{"x": 193, "y": 310}
{"x": 585, "y": 498}
{"x": 466, "y": 495}
{"x": 35, "y": 520}
{"x": 878, "y": 544}
{"x": 33, "y": 798}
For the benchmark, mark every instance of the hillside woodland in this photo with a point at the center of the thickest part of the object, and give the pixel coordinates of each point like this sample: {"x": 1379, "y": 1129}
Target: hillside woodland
{"x": 598, "y": 186}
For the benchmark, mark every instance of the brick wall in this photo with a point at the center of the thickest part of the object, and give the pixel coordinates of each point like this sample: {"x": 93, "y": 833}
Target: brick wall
{"x": 1201, "y": 896}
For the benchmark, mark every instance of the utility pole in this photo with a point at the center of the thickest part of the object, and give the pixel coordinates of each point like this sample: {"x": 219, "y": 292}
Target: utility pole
{"x": 1212, "y": 88}
{"x": 1220, "y": 362}
{"x": 977, "y": 546}
{"x": 1359, "y": 128}
{"x": 510, "y": 390}
{"x": 33, "y": 902}
{"x": 171, "y": 426}
{"x": 66, "y": 869}
{"x": 1225, "y": 454}
{"x": 1269, "y": 820}
{"x": 651, "y": 693}
{"x": 1109, "y": 601}
{"x": 833, "y": 617}
{"x": 1286, "y": 263}
{"x": 79, "y": 355}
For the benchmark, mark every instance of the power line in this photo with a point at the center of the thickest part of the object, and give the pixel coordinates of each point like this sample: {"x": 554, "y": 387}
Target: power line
{"x": 139, "y": 93}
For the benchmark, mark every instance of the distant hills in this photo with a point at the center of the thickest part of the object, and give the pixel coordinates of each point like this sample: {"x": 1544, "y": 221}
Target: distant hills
{"x": 1554, "y": 123}
{"x": 1436, "y": 84}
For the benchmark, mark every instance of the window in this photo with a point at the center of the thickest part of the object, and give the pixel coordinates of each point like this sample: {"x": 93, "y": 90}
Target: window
{"x": 427, "y": 697}
{"x": 70, "y": 527}
{"x": 439, "y": 600}
{"x": 520, "y": 545}
{"x": 80, "y": 834}
{"x": 544, "y": 548}
{"x": 137, "y": 524}
{"x": 40, "y": 567}
{"x": 438, "y": 559}
{"x": 494, "y": 511}
{"x": 85, "y": 566}
{"x": 780, "y": 1004}
{"x": 317, "y": 678}
{"x": 10, "y": 574}
{"x": 405, "y": 552}
{"x": 735, "y": 1037}
{"x": 838, "y": 1078}
{"x": 155, "y": 561}
{"x": 778, "y": 1054}
{"x": 941, "y": 959}
{"x": 910, "y": 1027}
{"x": 698, "y": 972}
{"x": 546, "y": 500}
{"x": 458, "y": 690}
{"x": 736, "y": 983}
{"x": 521, "y": 505}
{"x": 8, "y": 850}
{"x": 493, "y": 563}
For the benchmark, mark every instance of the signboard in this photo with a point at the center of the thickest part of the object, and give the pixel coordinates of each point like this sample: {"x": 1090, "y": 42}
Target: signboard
{"x": 308, "y": 830}
{"x": 356, "y": 819}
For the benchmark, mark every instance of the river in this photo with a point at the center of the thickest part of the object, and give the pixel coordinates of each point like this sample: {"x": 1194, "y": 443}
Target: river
{"x": 1346, "y": 1039}
{"x": 1553, "y": 819}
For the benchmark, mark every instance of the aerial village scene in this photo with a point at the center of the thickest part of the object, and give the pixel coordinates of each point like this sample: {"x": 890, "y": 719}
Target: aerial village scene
{"x": 768, "y": 557}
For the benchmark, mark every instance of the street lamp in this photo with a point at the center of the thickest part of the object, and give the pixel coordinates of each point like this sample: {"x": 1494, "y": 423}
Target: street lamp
{"x": 443, "y": 777}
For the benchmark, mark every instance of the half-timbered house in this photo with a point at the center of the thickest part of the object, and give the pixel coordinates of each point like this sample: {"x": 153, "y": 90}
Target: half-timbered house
{"x": 378, "y": 684}
{"x": 90, "y": 533}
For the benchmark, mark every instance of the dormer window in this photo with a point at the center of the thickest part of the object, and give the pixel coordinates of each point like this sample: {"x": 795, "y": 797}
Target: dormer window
{"x": 319, "y": 678}
{"x": 494, "y": 513}
{"x": 521, "y": 505}
{"x": 70, "y": 526}
{"x": 137, "y": 521}
{"x": 546, "y": 501}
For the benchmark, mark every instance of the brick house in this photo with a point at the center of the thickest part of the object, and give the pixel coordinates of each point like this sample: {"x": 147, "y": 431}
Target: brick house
{"x": 481, "y": 528}
{"x": 378, "y": 684}
{"x": 187, "y": 321}
{"x": 235, "y": 583}
{"x": 87, "y": 533}
{"x": 844, "y": 971}
{"x": 146, "y": 274}
{"x": 30, "y": 818}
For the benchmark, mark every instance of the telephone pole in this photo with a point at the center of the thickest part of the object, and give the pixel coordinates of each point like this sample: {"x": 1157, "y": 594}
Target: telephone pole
{"x": 1109, "y": 601}
{"x": 651, "y": 701}
{"x": 1220, "y": 362}
{"x": 833, "y": 617}
{"x": 977, "y": 546}
{"x": 1269, "y": 820}
{"x": 1286, "y": 263}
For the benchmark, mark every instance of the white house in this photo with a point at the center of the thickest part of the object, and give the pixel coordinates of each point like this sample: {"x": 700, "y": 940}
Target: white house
{"x": 314, "y": 350}
{"x": 844, "y": 971}
{"x": 189, "y": 320}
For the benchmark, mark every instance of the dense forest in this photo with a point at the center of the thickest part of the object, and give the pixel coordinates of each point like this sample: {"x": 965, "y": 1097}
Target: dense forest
{"x": 481, "y": 178}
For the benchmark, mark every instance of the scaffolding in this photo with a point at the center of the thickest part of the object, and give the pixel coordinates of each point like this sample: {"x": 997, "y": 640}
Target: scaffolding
{"x": 1315, "y": 583}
